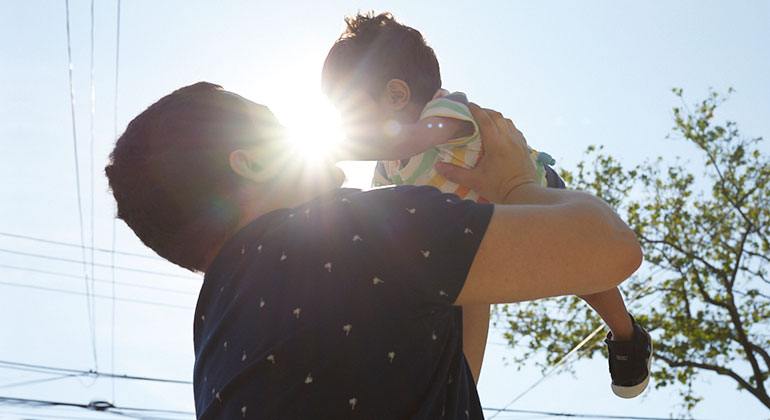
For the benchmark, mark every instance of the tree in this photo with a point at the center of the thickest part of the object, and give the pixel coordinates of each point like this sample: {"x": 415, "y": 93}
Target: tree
{"x": 704, "y": 291}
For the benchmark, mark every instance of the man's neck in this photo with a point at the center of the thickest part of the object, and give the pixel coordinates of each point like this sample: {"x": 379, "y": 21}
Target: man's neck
{"x": 256, "y": 206}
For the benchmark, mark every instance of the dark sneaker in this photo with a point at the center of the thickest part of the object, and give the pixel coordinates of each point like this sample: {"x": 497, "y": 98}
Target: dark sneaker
{"x": 630, "y": 362}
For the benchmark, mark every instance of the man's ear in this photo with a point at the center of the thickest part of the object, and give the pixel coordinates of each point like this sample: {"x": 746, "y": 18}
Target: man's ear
{"x": 397, "y": 94}
{"x": 244, "y": 163}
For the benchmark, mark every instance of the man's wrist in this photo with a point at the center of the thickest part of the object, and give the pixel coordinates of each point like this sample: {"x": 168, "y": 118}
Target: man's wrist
{"x": 525, "y": 193}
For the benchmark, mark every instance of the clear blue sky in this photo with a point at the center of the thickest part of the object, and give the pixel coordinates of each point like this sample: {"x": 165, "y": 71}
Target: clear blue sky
{"x": 569, "y": 74}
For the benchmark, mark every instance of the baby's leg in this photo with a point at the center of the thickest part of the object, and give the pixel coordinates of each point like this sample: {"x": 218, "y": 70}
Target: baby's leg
{"x": 609, "y": 305}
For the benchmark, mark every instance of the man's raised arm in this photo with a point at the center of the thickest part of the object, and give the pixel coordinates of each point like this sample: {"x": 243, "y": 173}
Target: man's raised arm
{"x": 540, "y": 242}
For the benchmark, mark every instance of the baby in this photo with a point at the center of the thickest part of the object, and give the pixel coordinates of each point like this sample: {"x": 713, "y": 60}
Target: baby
{"x": 414, "y": 113}
{"x": 386, "y": 83}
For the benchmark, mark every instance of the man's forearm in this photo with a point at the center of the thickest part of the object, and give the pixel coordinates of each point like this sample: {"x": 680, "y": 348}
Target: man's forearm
{"x": 537, "y": 195}
{"x": 609, "y": 303}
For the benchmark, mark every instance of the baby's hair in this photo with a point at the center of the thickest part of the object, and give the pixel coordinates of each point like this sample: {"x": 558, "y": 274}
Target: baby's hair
{"x": 375, "y": 49}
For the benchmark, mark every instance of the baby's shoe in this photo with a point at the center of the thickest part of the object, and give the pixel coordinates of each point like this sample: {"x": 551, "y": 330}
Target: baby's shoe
{"x": 630, "y": 362}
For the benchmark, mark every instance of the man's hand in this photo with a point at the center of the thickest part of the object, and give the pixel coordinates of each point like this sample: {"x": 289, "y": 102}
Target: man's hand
{"x": 505, "y": 165}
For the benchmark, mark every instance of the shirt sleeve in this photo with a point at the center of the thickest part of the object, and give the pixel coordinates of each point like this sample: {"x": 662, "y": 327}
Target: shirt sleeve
{"x": 425, "y": 242}
{"x": 453, "y": 106}
{"x": 553, "y": 179}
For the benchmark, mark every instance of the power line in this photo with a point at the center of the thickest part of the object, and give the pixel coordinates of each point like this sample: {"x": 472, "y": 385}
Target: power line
{"x": 93, "y": 139}
{"x": 553, "y": 369}
{"x": 109, "y": 408}
{"x": 40, "y": 416}
{"x": 141, "y": 416}
{"x": 114, "y": 219}
{"x": 72, "y": 276}
{"x": 58, "y": 370}
{"x": 90, "y": 406}
{"x": 77, "y": 172}
{"x": 582, "y": 415}
{"x": 37, "y": 381}
{"x": 136, "y": 270}
{"x": 71, "y": 292}
{"x": 69, "y": 244}
{"x": 567, "y": 356}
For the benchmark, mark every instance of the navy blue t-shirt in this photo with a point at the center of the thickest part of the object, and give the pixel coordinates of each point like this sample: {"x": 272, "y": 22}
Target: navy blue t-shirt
{"x": 341, "y": 308}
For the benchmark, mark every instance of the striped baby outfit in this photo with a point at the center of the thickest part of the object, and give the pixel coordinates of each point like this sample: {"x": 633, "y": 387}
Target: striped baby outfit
{"x": 463, "y": 151}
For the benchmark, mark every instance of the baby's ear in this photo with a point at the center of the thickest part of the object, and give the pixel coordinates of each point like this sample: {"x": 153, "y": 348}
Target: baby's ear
{"x": 397, "y": 94}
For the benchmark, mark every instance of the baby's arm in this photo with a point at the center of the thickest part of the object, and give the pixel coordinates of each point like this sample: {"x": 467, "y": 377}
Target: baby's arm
{"x": 404, "y": 141}
{"x": 429, "y": 132}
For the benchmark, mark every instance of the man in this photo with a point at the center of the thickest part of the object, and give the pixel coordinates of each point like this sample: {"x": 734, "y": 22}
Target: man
{"x": 321, "y": 302}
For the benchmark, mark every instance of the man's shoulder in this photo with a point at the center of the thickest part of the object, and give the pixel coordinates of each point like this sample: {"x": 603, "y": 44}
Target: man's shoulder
{"x": 426, "y": 200}
{"x": 381, "y": 201}
{"x": 420, "y": 209}
{"x": 397, "y": 193}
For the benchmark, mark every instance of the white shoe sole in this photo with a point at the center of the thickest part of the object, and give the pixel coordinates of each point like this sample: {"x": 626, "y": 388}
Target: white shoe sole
{"x": 633, "y": 391}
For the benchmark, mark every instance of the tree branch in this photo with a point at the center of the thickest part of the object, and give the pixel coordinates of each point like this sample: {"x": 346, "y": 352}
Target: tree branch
{"x": 686, "y": 302}
{"x": 683, "y": 252}
{"x": 702, "y": 290}
{"x": 727, "y": 196}
{"x": 744, "y": 341}
{"x": 761, "y": 351}
{"x": 760, "y": 394}
{"x": 742, "y": 293}
{"x": 754, "y": 254}
{"x": 757, "y": 273}
{"x": 738, "y": 255}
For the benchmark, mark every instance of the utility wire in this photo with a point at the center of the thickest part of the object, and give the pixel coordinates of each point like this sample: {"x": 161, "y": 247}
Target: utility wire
{"x": 114, "y": 219}
{"x": 566, "y": 356}
{"x": 37, "y": 381}
{"x": 582, "y": 415}
{"x": 41, "y": 416}
{"x": 553, "y": 368}
{"x": 77, "y": 171}
{"x": 91, "y": 406}
{"x": 70, "y": 244}
{"x": 58, "y": 370}
{"x": 142, "y": 416}
{"x": 72, "y": 276}
{"x": 70, "y": 292}
{"x": 93, "y": 139}
{"x": 136, "y": 270}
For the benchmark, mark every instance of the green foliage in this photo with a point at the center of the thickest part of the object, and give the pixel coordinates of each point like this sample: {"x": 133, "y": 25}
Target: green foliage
{"x": 704, "y": 292}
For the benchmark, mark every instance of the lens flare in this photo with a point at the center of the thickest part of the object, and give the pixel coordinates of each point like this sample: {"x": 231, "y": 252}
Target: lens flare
{"x": 392, "y": 128}
{"x": 315, "y": 133}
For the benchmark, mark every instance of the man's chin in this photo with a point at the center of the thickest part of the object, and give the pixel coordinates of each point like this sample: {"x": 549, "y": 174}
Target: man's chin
{"x": 339, "y": 175}
{"x": 320, "y": 178}
{"x": 329, "y": 178}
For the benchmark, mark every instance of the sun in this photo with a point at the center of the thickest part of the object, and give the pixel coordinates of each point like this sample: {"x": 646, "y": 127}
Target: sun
{"x": 314, "y": 131}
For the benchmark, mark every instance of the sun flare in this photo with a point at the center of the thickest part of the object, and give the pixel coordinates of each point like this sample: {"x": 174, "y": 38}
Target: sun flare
{"x": 316, "y": 131}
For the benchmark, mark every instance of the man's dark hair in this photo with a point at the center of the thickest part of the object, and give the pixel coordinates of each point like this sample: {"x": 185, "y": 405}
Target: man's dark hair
{"x": 375, "y": 49}
{"x": 170, "y": 171}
